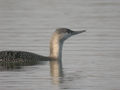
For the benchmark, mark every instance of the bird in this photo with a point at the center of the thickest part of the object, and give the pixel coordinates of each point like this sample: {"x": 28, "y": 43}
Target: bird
{"x": 11, "y": 59}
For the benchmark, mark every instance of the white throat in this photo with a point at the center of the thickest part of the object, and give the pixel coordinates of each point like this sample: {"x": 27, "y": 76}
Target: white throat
{"x": 56, "y": 48}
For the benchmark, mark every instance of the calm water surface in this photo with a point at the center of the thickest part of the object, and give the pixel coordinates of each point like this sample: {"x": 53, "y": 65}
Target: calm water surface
{"x": 90, "y": 60}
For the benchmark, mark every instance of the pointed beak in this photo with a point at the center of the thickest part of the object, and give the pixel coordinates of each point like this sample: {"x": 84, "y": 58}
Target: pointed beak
{"x": 78, "y": 32}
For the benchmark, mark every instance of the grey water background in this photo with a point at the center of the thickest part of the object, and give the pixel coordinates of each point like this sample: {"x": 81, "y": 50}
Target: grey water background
{"x": 90, "y": 60}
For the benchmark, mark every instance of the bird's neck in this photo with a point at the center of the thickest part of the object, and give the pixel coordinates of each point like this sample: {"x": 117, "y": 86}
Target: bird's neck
{"x": 56, "y": 55}
{"x": 56, "y": 49}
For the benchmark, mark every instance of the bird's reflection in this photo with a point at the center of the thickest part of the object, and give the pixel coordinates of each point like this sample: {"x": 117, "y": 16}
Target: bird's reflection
{"x": 58, "y": 80}
{"x": 16, "y": 67}
{"x": 15, "y": 60}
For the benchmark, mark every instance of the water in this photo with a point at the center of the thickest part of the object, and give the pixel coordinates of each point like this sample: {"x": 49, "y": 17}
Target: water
{"x": 90, "y": 60}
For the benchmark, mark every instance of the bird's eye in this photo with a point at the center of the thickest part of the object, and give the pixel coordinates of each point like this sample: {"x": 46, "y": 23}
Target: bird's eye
{"x": 68, "y": 31}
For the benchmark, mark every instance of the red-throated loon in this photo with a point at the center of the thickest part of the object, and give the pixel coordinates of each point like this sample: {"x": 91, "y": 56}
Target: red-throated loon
{"x": 11, "y": 59}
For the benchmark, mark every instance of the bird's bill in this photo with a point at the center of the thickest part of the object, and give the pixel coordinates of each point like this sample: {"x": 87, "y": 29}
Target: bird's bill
{"x": 78, "y": 32}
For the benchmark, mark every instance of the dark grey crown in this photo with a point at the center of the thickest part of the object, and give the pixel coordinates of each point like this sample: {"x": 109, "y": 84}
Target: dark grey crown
{"x": 63, "y": 30}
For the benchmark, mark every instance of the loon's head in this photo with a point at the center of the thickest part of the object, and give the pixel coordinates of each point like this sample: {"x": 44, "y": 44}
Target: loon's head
{"x": 65, "y": 33}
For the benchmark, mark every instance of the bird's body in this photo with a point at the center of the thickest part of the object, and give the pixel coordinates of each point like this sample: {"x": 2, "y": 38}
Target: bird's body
{"x": 11, "y": 59}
